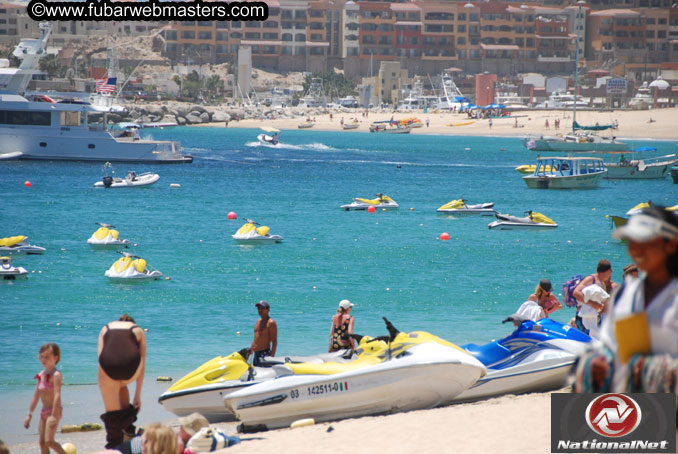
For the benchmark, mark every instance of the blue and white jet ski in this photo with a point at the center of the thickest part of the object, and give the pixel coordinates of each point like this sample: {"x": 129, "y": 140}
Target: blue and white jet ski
{"x": 535, "y": 357}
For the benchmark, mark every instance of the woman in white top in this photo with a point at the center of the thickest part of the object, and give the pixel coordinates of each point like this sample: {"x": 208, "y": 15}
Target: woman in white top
{"x": 643, "y": 320}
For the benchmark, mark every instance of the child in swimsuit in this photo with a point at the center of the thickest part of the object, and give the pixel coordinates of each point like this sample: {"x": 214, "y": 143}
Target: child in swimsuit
{"x": 48, "y": 390}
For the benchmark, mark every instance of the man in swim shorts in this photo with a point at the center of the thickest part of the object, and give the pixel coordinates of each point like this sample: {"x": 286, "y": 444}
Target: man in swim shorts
{"x": 265, "y": 334}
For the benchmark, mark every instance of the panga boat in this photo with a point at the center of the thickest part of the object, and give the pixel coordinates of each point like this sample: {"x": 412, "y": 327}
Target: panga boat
{"x": 389, "y": 127}
{"x": 352, "y": 125}
{"x": 130, "y": 267}
{"x": 459, "y": 206}
{"x": 272, "y": 138}
{"x": 9, "y": 272}
{"x": 535, "y": 357}
{"x": 533, "y": 220}
{"x": 306, "y": 125}
{"x": 249, "y": 233}
{"x": 631, "y": 165}
{"x": 18, "y": 245}
{"x": 411, "y": 372}
{"x": 382, "y": 201}
{"x": 106, "y": 235}
{"x": 566, "y": 173}
{"x": 203, "y": 389}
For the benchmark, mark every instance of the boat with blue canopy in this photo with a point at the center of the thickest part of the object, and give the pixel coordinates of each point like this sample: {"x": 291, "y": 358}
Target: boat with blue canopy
{"x": 566, "y": 173}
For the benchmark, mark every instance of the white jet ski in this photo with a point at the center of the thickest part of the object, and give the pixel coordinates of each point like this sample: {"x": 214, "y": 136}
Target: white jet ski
{"x": 382, "y": 201}
{"x": 203, "y": 389}
{"x": 9, "y": 272}
{"x": 249, "y": 233}
{"x": 18, "y": 245}
{"x": 535, "y": 357}
{"x": 131, "y": 180}
{"x": 131, "y": 268}
{"x": 459, "y": 206}
{"x": 411, "y": 372}
{"x": 106, "y": 236}
{"x": 533, "y": 220}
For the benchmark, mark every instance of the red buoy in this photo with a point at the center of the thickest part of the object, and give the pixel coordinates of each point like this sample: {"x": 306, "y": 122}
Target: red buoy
{"x": 370, "y": 209}
{"x": 27, "y": 184}
{"x": 444, "y": 236}
{"x": 232, "y": 215}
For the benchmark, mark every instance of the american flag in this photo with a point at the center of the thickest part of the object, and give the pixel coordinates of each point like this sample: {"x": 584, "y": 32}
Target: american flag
{"x": 106, "y": 85}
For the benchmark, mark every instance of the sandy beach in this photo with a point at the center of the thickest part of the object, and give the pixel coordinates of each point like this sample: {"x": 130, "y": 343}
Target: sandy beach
{"x": 632, "y": 124}
{"x": 497, "y": 425}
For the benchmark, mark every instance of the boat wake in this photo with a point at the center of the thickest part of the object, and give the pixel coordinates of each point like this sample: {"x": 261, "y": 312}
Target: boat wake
{"x": 316, "y": 146}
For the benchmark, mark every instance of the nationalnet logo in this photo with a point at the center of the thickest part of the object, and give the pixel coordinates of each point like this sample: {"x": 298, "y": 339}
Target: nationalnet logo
{"x": 613, "y": 423}
{"x": 613, "y": 415}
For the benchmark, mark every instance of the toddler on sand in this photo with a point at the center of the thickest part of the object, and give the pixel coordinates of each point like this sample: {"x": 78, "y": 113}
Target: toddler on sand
{"x": 48, "y": 390}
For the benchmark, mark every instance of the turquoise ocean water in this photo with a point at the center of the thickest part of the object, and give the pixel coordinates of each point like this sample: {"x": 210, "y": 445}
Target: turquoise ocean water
{"x": 388, "y": 263}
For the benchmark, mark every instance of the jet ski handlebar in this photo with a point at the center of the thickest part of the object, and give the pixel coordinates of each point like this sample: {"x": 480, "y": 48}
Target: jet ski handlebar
{"x": 392, "y": 330}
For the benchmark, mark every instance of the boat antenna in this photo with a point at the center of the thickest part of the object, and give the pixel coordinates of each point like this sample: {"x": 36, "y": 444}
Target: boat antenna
{"x": 576, "y": 66}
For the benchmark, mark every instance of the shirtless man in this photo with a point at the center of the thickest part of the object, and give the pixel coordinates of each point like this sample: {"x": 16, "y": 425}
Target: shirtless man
{"x": 265, "y": 334}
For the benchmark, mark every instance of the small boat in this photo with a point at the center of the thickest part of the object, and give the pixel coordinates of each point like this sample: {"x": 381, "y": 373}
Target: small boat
{"x": 631, "y": 165}
{"x": 249, "y": 233}
{"x": 536, "y": 357}
{"x": 464, "y": 123}
{"x": 10, "y": 155}
{"x": 581, "y": 141}
{"x": 566, "y": 173}
{"x": 618, "y": 221}
{"x": 533, "y": 220}
{"x": 106, "y": 236}
{"x": 131, "y": 180}
{"x": 131, "y": 268}
{"x": 352, "y": 125}
{"x": 459, "y": 206}
{"x": 18, "y": 245}
{"x": 674, "y": 174}
{"x": 411, "y": 372}
{"x": 272, "y": 139}
{"x": 203, "y": 389}
{"x": 389, "y": 127}
{"x": 306, "y": 125}
{"x": 382, "y": 201}
{"x": 9, "y": 272}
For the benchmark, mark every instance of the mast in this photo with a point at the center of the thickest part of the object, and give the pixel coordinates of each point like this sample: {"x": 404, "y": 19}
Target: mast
{"x": 576, "y": 66}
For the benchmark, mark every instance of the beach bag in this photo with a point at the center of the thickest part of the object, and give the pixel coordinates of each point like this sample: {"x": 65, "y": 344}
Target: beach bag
{"x": 209, "y": 439}
{"x": 568, "y": 290}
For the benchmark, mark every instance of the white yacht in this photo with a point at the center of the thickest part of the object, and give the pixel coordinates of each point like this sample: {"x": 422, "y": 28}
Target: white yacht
{"x": 563, "y": 100}
{"x": 60, "y": 130}
{"x": 450, "y": 97}
{"x": 643, "y": 99}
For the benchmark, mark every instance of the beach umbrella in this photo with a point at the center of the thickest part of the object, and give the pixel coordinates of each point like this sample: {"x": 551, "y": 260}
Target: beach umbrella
{"x": 270, "y": 129}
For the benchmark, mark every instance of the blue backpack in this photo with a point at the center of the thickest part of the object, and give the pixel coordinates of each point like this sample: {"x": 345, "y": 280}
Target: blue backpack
{"x": 568, "y": 290}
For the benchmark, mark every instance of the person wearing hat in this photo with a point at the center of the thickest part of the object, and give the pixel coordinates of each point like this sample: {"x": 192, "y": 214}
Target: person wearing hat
{"x": 630, "y": 272}
{"x": 265, "y": 334}
{"x": 641, "y": 327}
{"x": 189, "y": 426}
{"x": 342, "y": 328}
{"x": 540, "y": 304}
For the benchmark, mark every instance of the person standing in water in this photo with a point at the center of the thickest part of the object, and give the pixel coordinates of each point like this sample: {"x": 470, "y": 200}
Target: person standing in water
{"x": 265, "y": 340}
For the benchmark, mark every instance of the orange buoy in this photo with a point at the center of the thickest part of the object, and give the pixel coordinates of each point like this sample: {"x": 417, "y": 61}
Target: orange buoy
{"x": 27, "y": 184}
{"x": 371, "y": 209}
{"x": 232, "y": 215}
{"x": 444, "y": 236}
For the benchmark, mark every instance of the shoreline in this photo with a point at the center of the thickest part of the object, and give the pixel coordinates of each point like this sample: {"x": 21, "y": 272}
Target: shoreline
{"x": 462, "y": 426}
{"x": 633, "y": 125}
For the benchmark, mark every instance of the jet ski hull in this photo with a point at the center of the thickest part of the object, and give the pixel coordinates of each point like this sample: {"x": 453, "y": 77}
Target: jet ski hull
{"x": 432, "y": 375}
{"x": 269, "y": 239}
{"x": 506, "y": 225}
{"x": 266, "y": 140}
{"x": 13, "y": 273}
{"x": 469, "y": 211}
{"x": 358, "y": 206}
{"x": 27, "y": 249}
{"x": 133, "y": 277}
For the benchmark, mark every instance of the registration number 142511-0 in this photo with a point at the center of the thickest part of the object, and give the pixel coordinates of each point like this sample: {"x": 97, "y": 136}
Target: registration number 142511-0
{"x": 321, "y": 389}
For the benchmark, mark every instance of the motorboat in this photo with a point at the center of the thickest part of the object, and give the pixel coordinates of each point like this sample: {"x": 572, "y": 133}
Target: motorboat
{"x": 9, "y": 272}
{"x": 131, "y": 268}
{"x": 389, "y": 127}
{"x": 533, "y": 220}
{"x": 272, "y": 138}
{"x": 203, "y": 389}
{"x": 18, "y": 245}
{"x": 459, "y": 206}
{"x": 566, "y": 173}
{"x": 643, "y": 99}
{"x": 381, "y": 201}
{"x": 412, "y": 371}
{"x": 574, "y": 142}
{"x": 249, "y": 233}
{"x": 106, "y": 236}
{"x": 131, "y": 180}
{"x": 352, "y": 125}
{"x": 61, "y": 130}
{"x": 536, "y": 357}
{"x": 631, "y": 165}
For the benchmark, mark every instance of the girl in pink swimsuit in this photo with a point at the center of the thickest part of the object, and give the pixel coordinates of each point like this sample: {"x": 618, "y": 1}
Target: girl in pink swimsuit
{"x": 48, "y": 390}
